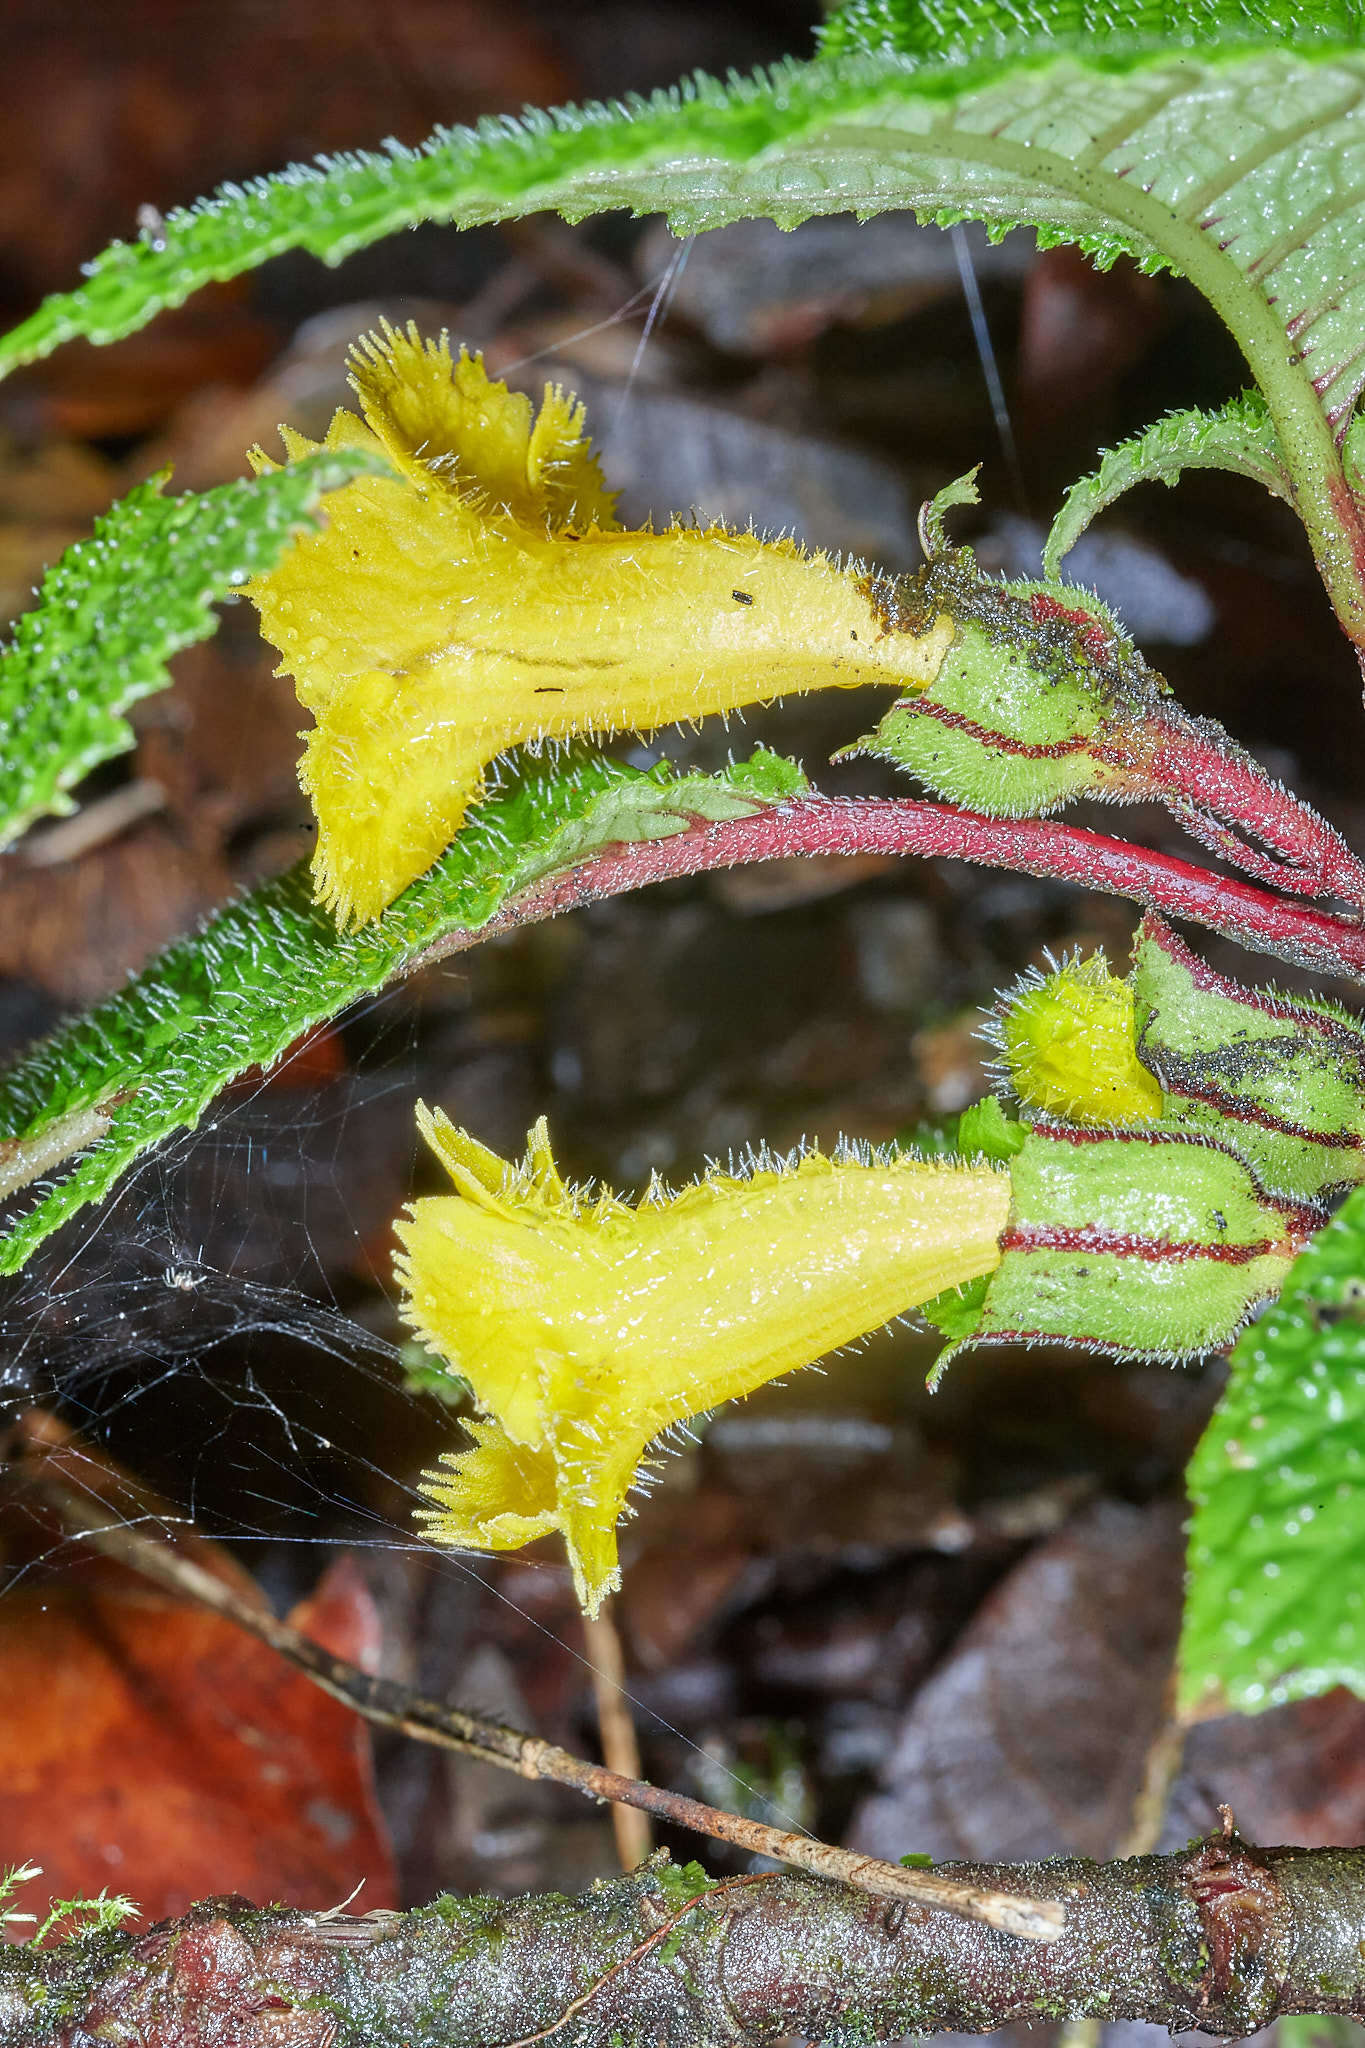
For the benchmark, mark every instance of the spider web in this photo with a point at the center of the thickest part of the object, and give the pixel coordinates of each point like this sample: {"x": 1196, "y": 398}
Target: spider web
{"x": 216, "y": 1322}
{"x": 225, "y": 1327}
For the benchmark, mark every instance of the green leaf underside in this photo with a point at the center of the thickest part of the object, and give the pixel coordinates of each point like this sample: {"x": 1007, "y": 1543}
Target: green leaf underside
{"x": 115, "y": 607}
{"x": 1237, "y": 437}
{"x": 264, "y": 970}
{"x": 1169, "y": 133}
{"x": 1275, "y": 1608}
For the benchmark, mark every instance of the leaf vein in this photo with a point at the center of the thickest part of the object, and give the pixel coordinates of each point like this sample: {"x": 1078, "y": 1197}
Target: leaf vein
{"x": 1274, "y": 144}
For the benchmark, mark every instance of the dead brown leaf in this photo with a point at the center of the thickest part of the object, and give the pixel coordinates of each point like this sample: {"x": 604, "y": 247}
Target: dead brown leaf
{"x": 151, "y": 1747}
{"x": 76, "y": 929}
{"x": 157, "y": 101}
{"x": 1031, "y": 1738}
{"x": 1295, "y": 1774}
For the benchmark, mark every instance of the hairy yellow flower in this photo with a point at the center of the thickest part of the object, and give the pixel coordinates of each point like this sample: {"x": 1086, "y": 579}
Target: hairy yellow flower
{"x": 484, "y": 595}
{"x": 586, "y": 1325}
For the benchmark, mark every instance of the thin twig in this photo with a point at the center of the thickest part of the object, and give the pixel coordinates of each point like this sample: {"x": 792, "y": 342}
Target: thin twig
{"x": 620, "y": 1748}
{"x": 642, "y": 1948}
{"x": 1161, "y": 1768}
{"x": 394, "y": 1706}
{"x": 94, "y": 824}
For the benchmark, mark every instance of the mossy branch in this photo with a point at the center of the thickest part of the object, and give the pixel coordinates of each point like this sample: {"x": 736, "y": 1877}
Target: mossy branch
{"x": 1221, "y": 1938}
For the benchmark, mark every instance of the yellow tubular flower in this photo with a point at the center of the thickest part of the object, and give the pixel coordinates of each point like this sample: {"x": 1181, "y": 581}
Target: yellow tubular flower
{"x": 484, "y": 595}
{"x": 586, "y": 1325}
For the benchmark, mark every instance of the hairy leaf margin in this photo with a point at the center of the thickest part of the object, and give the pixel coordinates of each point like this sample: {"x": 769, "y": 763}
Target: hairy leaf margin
{"x": 704, "y": 152}
{"x": 114, "y": 608}
{"x": 1275, "y": 1602}
{"x": 1238, "y": 437}
{"x": 264, "y": 970}
{"x": 1222, "y": 142}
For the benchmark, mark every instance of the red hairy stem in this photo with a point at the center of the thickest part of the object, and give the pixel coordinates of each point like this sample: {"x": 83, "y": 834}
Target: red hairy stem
{"x": 1254, "y": 917}
{"x": 1212, "y": 786}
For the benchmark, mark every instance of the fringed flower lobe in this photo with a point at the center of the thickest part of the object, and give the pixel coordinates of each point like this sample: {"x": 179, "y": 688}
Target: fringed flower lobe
{"x": 485, "y": 596}
{"x": 587, "y": 1325}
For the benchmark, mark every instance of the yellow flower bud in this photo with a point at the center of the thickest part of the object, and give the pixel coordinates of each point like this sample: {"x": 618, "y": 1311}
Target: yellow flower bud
{"x": 1069, "y": 1041}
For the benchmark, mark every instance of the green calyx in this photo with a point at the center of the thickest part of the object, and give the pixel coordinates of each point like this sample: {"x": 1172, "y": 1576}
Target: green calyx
{"x": 1145, "y": 1242}
{"x": 1283, "y": 1080}
{"x": 1206, "y": 1123}
{"x": 1029, "y": 703}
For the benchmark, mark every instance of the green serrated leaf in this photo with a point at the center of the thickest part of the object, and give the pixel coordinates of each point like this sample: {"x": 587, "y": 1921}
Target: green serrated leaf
{"x": 1238, "y": 437}
{"x": 1222, "y": 141}
{"x": 115, "y": 607}
{"x": 1275, "y": 1604}
{"x": 1213, "y": 131}
{"x": 238, "y": 993}
{"x": 943, "y": 28}
{"x": 932, "y": 519}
